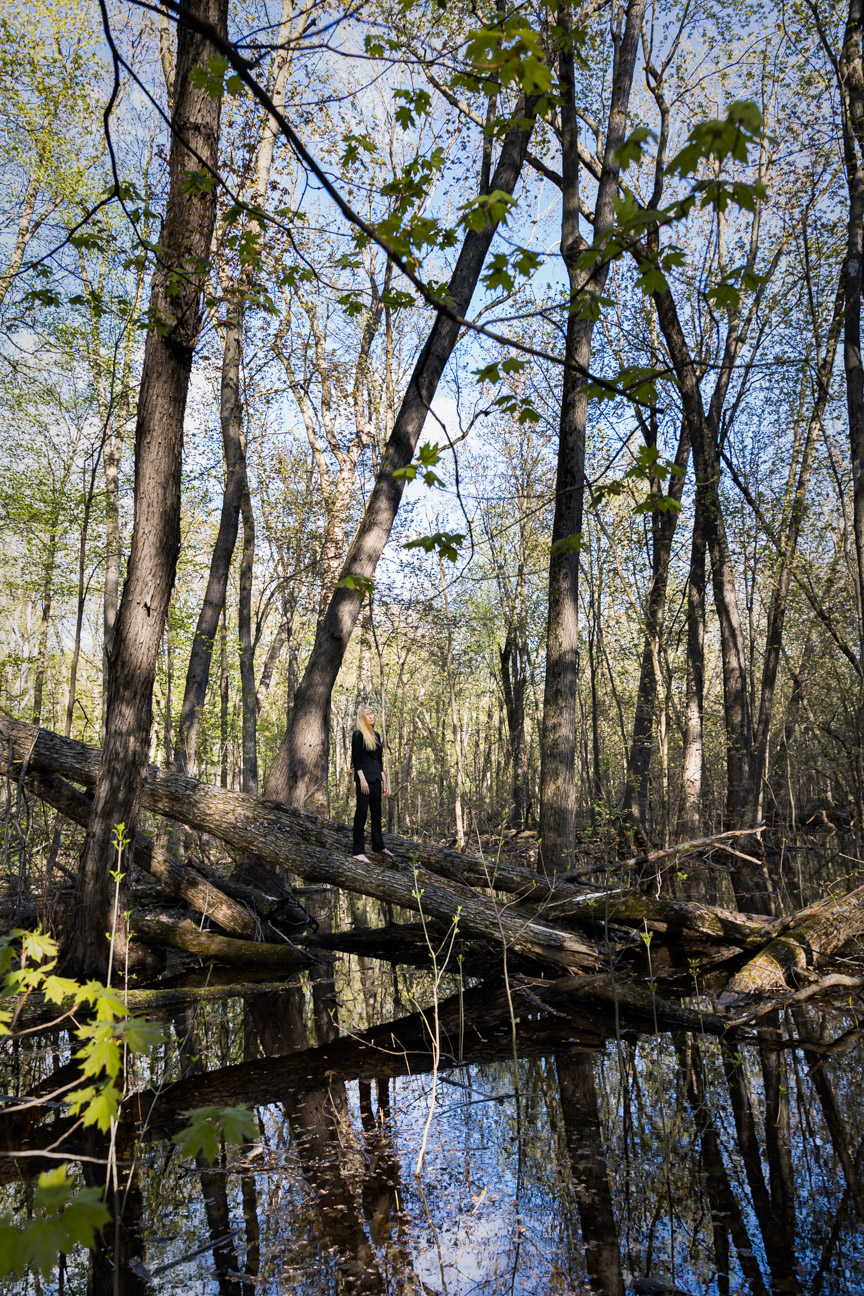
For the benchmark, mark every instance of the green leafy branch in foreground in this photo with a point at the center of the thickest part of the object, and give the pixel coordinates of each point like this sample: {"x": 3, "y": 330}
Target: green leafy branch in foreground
{"x": 66, "y": 1215}
{"x": 63, "y": 1217}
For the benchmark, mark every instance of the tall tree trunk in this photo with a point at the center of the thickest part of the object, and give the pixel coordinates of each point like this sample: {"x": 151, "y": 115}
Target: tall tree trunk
{"x": 780, "y": 593}
{"x": 663, "y": 527}
{"x": 198, "y": 671}
{"x": 81, "y": 601}
{"x": 455, "y": 720}
{"x": 850, "y": 69}
{"x": 299, "y": 754}
{"x": 223, "y": 700}
{"x": 44, "y": 627}
{"x": 690, "y": 816}
{"x": 749, "y": 881}
{"x": 513, "y": 682}
{"x": 175, "y": 301}
{"x": 558, "y": 745}
{"x": 248, "y": 692}
{"x": 233, "y": 442}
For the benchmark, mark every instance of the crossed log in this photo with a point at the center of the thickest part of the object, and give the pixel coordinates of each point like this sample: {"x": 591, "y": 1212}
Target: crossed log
{"x": 536, "y": 921}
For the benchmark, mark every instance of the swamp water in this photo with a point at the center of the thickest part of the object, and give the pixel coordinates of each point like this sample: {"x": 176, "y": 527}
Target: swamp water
{"x": 620, "y": 1161}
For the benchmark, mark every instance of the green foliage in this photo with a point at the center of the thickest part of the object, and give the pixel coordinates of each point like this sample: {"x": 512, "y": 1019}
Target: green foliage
{"x": 729, "y": 137}
{"x": 212, "y": 78}
{"x": 651, "y": 468}
{"x": 487, "y": 209}
{"x": 569, "y": 544}
{"x": 363, "y": 584}
{"x": 510, "y": 53}
{"x": 414, "y": 105}
{"x": 428, "y": 457}
{"x": 491, "y": 373}
{"x": 502, "y": 268}
{"x": 64, "y": 1217}
{"x": 207, "y": 1125}
{"x": 447, "y": 543}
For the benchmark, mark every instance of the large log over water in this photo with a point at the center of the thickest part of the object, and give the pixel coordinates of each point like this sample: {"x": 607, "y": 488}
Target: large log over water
{"x": 312, "y": 849}
{"x": 432, "y": 881}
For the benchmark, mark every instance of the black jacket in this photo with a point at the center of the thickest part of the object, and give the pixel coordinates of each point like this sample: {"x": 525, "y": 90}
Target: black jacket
{"x": 370, "y": 762}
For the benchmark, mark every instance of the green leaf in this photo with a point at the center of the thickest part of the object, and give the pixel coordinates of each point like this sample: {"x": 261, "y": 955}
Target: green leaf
{"x": 354, "y": 144}
{"x": 205, "y": 1124}
{"x": 447, "y": 543}
{"x": 141, "y": 1036}
{"x": 100, "y": 1054}
{"x": 211, "y": 78}
{"x": 63, "y": 1219}
{"x": 569, "y": 544}
{"x": 197, "y": 182}
{"x": 364, "y": 584}
{"x": 634, "y": 146}
{"x": 487, "y": 209}
{"x": 56, "y": 989}
{"x": 98, "y": 1105}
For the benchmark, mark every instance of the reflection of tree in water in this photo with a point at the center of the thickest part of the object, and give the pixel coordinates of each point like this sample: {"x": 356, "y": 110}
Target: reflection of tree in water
{"x": 352, "y": 1176}
{"x": 649, "y": 1164}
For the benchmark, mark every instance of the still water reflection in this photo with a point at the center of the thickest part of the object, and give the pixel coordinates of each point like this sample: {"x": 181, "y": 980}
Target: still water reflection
{"x": 583, "y": 1158}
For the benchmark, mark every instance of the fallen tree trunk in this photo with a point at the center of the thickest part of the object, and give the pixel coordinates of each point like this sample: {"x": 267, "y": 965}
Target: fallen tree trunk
{"x": 825, "y": 928}
{"x": 303, "y": 845}
{"x": 187, "y": 937}
{"x": 178, "y": 880}
{"x": 38, "y": 1012}
{"x": 299, "y": 843}
{"x": 632, "y": 909}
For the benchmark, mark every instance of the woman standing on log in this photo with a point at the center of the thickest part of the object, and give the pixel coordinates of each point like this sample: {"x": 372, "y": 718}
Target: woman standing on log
{"x": 370, "y": 781}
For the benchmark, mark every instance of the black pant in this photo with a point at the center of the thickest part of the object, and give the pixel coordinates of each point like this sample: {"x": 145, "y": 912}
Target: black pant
{"x": 368, "y": 801}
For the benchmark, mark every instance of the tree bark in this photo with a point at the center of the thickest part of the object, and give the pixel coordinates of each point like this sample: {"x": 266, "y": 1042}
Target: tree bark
{"x": 663, "y": 527}
{"x": 200, "y": 656}
{"x": 558, "y": 742}
{"x": 175, "y": 300}
{"x": 828, "y": 927}
{"x": 233, "y": 441}
{"x": 186, "y": 936}
{"x": 248, "y": 691}
{"x": 513, "y": 682}
{"x": 178, "y": 879}
{"x": 850, "y": 76}
{"x": 299, "y": 754}
{"x": 690, "y": 817}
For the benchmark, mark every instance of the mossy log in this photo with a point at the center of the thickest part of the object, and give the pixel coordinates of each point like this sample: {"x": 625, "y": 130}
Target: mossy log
{"x": 634, "y": 910}
{"x": 313, "y": 849}
{"x": 188, "y": 938}
{"x": 816, "y": 933}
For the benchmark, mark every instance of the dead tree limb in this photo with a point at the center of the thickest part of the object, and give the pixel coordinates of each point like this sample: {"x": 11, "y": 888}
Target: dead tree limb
{"x": 187, "y": 937}
{"x": 800, "y": 947}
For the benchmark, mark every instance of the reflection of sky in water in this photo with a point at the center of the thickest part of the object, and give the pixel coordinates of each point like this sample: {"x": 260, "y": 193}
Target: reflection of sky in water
{"x": 491, "y": 1225}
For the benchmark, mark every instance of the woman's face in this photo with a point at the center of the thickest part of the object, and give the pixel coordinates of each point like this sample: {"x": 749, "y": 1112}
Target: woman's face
{"x": 370, "y": 716}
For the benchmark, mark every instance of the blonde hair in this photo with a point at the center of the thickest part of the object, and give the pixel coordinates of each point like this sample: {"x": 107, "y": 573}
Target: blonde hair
{"x": 370, "y": 742}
